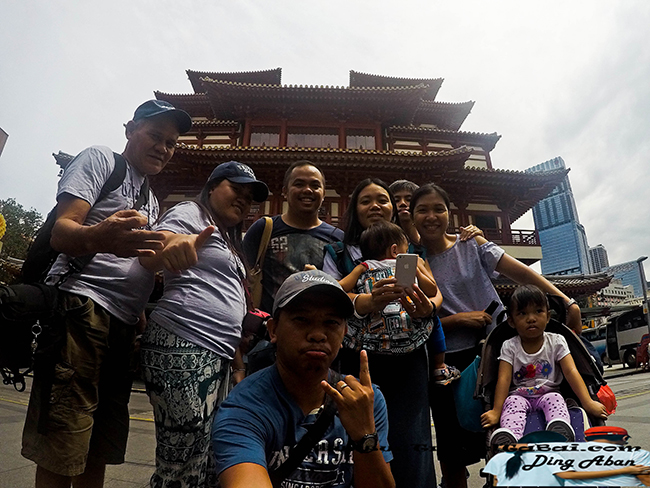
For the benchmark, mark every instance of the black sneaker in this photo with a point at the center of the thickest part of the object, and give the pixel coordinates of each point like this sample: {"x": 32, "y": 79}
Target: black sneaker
{"x": 563, "y": 428}
{"x": 502, "y": 436}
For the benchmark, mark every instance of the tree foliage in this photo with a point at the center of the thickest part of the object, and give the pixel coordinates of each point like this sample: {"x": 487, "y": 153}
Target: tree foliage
{"x": 22, "y": 224}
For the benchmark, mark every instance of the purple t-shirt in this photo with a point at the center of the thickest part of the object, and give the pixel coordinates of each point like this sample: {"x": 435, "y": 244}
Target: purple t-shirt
{"x": 463, "y": 274}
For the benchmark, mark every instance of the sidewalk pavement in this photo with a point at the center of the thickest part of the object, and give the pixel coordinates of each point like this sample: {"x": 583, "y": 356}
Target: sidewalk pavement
{"x": 619, "y": 370}
{"x": 18, "y": 472}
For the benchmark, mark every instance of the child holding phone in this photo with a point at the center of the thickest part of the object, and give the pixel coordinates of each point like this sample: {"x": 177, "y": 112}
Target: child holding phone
{"x": 531, "y": 367}
{"x": 392, "y": 330}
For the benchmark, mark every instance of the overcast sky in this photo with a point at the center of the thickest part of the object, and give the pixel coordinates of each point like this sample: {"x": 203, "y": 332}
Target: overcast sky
{"x": 553, "y": 78}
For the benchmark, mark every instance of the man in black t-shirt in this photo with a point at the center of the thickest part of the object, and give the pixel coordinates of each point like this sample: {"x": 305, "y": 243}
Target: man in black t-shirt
{"x": 298, "y": 235}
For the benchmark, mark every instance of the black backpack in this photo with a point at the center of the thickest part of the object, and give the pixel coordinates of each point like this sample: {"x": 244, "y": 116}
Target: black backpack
{"x": 29, "y": 312}
{"x": 41, "y": 256}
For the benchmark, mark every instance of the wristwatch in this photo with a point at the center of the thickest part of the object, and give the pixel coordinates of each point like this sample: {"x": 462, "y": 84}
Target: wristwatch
{"x": 368, "y": 443}
{"x": 568, "y": 304}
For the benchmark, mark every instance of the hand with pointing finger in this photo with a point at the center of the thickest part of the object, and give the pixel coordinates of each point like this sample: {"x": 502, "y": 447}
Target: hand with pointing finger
{"x": 355, "y": 401}
{"x": 181, "y": 250}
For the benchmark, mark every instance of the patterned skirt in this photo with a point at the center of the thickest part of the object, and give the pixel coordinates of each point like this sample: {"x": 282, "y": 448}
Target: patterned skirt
{"x": 185, "y": 383}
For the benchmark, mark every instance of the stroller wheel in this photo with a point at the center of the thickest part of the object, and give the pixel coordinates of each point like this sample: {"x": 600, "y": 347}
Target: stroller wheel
{"x": 563, "y": 428}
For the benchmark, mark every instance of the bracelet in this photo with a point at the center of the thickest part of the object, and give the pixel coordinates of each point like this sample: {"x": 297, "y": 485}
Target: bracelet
{"x": 354, "y": 307}
{"x": 235, "y": 370}
{"x": 138, "y": 337}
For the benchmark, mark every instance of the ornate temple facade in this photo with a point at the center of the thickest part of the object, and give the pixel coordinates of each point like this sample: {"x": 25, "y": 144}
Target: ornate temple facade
{"x": 385, "y": 127}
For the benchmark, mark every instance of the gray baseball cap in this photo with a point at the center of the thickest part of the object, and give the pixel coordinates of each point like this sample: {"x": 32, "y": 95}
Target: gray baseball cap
{"x": 312, "y": 281}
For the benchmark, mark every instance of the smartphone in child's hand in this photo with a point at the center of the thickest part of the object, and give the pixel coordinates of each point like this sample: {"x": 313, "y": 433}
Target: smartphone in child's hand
{"x": 405, "y": 268}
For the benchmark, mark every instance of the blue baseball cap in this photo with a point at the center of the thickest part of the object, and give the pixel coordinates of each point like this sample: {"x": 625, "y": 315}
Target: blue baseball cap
{"x": 241, "y": 173}
{"x": 151, "y": 108}
{"x": 314, "y": 281}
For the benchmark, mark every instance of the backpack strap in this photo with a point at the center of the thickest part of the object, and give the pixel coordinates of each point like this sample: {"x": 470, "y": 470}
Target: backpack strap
{"x": 341, "y": 256}
{"x": 313, "y": 435}
{"x": 264, "y": 242}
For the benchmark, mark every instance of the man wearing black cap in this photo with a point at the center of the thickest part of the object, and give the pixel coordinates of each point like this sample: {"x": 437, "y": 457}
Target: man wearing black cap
{"x": 269, "y": 412}
{"x": 80, "y": 424}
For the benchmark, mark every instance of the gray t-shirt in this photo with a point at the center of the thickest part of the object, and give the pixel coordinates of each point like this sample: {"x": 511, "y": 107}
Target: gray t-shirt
{"x": 204, "y": 304}
{"x": 120, "y": 285}
{"x": 463, "y": 273}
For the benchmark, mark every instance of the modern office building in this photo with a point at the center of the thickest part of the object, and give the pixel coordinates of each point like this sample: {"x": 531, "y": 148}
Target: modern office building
{"x": 598, "y": 258}
{"x": 629, "y": 274}
{"x": 615, "y": 293}
{"x": 564, "y": 241}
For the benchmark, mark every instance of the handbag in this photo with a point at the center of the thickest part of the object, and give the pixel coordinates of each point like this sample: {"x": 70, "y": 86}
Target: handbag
{"x": 468, "y": 408}
{"x": 31, "y": 324}
{"x": 256, "y": 274}
{"x": 28, "y": 313}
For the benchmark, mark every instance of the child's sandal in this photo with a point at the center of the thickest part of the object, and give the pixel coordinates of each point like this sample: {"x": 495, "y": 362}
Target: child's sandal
{"x": 444, "y": 376}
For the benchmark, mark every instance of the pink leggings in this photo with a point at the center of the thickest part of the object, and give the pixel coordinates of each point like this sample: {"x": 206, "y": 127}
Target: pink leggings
{"x": 516, "y": 409}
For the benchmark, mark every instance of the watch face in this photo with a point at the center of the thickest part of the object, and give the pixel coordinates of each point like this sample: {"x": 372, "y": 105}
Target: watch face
{"x": 369, "y": 443}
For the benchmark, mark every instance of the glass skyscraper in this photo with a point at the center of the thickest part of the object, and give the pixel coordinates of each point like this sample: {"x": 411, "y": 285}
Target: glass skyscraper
{"x": 563, "y": 238}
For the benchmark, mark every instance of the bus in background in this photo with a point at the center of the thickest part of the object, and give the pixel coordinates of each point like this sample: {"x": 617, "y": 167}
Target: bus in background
{"x": 598, "y": 338}
{"x": 624, "y": 333}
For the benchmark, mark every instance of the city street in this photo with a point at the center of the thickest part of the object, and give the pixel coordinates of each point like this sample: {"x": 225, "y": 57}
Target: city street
{"x": 632, "y": 392}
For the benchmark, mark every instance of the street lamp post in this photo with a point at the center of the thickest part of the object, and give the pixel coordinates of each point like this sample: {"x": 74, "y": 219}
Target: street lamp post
{"x": 644, "y": 287}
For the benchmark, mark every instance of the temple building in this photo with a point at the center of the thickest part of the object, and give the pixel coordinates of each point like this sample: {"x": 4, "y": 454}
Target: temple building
{"x": 385, "y": 127}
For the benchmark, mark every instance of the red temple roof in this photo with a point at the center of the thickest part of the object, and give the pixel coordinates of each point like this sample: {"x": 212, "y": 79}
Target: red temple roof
{"x": 515, "y": 191}
{"x": 572, "y": 285}
{"x": 239, "y": 100}
{"x": 444, "y": 115}
{"x": 486, "y": 141}
{"x": 344, "y": 167}
{"x": 195, "y": 104}
{"x": 264, "y": 77}
{"x": 363, "y": 79}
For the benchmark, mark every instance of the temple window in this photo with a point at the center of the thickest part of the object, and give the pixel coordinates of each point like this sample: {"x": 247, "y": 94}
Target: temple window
{"x": 486, "y": 222}
{"x": 312, "y": 137}
{"x": 265, "y": 136}
{"x": 360, "y": 139}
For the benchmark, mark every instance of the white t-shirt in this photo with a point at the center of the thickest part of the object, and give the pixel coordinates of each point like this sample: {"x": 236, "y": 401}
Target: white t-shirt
{"x": 530, "y": 472}
{"x": 600, "y": 456}
{"x": 534, "y": 375}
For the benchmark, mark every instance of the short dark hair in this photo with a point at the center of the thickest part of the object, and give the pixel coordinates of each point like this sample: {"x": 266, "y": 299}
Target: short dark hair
{"x": 300, "y": 164}
{"x": 526, "y": 295}
{"x": 353, "y": 228}
{"x": 403, "y": 185}
{"x": 377, "y": 239}
{"x": 428, "y": 189}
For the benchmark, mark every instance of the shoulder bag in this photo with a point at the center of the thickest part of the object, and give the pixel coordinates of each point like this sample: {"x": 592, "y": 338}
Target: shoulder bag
{"x": 256, "y": 274}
